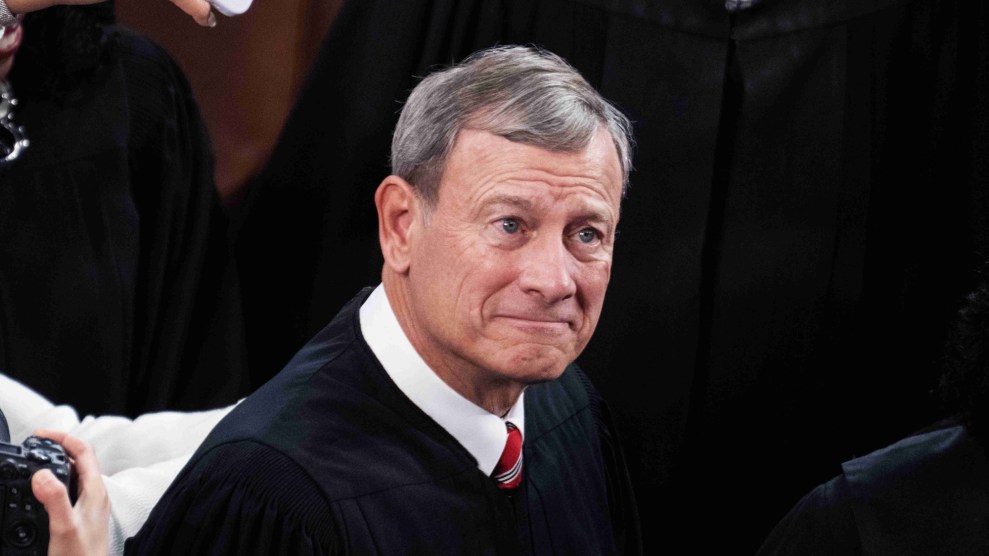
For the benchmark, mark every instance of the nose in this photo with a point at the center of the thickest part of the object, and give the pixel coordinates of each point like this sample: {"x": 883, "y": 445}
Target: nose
{"x": 548, "y": 270}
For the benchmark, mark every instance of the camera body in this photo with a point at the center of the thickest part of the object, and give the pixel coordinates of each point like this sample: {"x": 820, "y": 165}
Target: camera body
{"x": 23, "y": 520}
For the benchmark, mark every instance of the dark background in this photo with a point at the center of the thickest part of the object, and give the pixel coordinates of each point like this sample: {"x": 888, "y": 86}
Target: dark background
{"x": 246, "y": 71}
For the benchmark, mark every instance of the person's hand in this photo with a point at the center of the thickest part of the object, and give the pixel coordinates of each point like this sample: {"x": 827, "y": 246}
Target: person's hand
{"x": 200, "y": 10}
{"x": 82, "y": 530}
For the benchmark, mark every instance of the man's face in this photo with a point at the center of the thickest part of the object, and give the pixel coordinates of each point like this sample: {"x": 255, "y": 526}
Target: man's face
{"x": 509, "y": 270}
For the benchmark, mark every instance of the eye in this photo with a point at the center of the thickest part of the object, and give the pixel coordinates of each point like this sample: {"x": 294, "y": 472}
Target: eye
{"x": 587, "y": 235}
{"x": 510, "y": 225}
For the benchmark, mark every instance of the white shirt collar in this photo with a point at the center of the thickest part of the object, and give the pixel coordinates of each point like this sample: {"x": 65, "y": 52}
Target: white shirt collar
{"x": 482, "y": 433}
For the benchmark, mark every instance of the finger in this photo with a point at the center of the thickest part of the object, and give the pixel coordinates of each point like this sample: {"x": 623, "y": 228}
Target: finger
{"x": 52, "y": 434}
{"x": 200, "y": 10}
{"x": 75, "y": 448}
{"x": 87, "y": 468}
{"x": 55, "y": 498}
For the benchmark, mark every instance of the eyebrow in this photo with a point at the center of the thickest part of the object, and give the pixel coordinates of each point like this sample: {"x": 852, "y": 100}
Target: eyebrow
{"x": 511, "y": 200}
{"x": 590, "y": 213}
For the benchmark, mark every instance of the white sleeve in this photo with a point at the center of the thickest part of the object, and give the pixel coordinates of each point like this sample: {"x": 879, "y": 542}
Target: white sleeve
{"x": 26, "y": 410}
{"x": 120, "y": 443}
{"x": 139, "y": 458}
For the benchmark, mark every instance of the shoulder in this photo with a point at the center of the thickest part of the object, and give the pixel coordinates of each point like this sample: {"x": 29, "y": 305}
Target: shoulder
{"x": 925, "y": 494}
{"x": 928, "y": 493}
{"x": 319, "y": 390}
{"x": 931, "y": 454}
{"x": 549, "y": 404}
{"x": 333, "y": 409}
{"x": 273, "y": 476}
{"x": 820, "y": 524}
{"x": 570, "y": 398}
{"x": 158, "y": 94}
{"x": 138, "y": 52}
{"x": 567, "y": 409}
{"x": 216, "y": 507}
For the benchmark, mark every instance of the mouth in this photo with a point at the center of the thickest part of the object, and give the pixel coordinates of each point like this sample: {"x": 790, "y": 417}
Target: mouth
{"x": 540, "y": 324}
{"x": 10, "y": 40}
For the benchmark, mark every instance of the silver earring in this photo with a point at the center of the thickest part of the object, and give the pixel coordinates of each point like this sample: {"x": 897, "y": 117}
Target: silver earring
{"x": 12, "y": 138}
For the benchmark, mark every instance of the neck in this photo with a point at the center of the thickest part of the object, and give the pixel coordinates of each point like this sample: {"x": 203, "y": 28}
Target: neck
{"x": 493, "y": 394}
{"x": 497, "y": 399}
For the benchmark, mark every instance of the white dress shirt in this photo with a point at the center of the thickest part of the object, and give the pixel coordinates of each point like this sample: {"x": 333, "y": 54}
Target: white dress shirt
{"x": 482, "y": 433}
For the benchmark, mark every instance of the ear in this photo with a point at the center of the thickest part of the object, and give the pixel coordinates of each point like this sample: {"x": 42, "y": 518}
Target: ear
{"x": 398, "y": 207}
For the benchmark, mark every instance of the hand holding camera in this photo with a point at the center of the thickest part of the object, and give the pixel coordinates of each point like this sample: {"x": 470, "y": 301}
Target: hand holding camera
{"x": 23, "y": 520}
{"x": 37, "y": 515}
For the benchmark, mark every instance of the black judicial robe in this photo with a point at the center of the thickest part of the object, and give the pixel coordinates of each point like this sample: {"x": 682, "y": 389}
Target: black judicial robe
{"x": 116, "y": 287}
{"x": 331, "y": 458}
{"x": 925, "y": 495}
{"x": 808, "y": 198}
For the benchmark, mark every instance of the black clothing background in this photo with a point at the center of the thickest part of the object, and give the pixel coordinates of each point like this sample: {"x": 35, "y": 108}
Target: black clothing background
{"x": 330, "y": 457}
{"x": 117, "y": 290}
{"x": 925, "y": 495}
{"x": 805, "y": 211}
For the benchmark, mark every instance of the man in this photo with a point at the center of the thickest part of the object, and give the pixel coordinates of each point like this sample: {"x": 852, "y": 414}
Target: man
{"x": 382, "y": 434}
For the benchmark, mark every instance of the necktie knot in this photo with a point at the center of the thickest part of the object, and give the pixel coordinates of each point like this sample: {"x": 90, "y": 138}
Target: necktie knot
{"x": 508, "y": 472}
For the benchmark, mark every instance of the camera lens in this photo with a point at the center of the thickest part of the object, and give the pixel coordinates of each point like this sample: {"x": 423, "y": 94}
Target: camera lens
{"x": 22, "y": 534}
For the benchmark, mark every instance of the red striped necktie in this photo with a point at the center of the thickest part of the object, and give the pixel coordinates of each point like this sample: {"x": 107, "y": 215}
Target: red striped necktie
{"x": 508, "y": 472}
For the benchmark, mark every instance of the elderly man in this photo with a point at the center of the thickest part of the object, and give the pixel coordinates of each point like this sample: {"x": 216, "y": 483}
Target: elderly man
{"x": 440, "y": 412}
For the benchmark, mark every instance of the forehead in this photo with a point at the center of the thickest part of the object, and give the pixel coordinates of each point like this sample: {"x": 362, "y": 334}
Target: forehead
{"x": 482, "y": 164}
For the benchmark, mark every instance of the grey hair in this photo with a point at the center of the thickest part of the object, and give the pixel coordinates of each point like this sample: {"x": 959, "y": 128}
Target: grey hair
{"x": 523, "y": 94}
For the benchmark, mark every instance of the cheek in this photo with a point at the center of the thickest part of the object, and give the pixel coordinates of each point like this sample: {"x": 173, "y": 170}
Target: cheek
{"x": 487, "y": 282}
{"x": 592, "y": 282}
{"x": 461, "y": 276}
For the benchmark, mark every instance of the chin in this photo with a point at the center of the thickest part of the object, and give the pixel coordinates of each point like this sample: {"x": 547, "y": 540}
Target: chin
{"x": 531, "y": 365}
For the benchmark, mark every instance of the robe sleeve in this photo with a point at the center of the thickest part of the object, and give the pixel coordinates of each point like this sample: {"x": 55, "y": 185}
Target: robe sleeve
{"x": 820, "y": 524}
{"x": 217, "y": 507}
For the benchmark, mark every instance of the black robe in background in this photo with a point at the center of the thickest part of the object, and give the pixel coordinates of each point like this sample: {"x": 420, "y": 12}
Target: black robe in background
{"x": 804, "y": 215}
{"x": 925, "y": 495}
{"x": 117, "y": 292}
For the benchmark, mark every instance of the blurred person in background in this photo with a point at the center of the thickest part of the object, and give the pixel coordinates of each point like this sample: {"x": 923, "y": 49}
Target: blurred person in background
{"x": 115, "y": 291}
{"x": 113, "y": 265}
{"x": 925, "y": 494}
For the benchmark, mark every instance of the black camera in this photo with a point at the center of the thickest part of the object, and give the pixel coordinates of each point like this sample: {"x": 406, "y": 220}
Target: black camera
{"x": 23, "y": 520}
